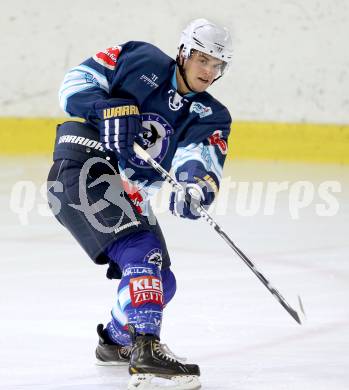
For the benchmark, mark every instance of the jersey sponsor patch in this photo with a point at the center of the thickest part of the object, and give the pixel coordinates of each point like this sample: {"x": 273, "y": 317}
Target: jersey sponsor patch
{"x": 215, "y": 139}
{"x": 108, "y": 58}
{"x": 200, "y": 109}
{"x": 146, "y": 289}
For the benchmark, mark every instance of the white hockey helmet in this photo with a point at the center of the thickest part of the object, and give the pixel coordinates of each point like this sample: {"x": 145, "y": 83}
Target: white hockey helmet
{"x": 208, "y": 38}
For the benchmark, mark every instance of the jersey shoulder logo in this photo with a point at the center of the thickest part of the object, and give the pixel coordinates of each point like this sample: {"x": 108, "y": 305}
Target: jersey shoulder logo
{"x": 108, "y": 58}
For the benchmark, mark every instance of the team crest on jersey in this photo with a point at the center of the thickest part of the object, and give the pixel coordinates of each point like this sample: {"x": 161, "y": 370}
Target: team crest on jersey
{"x": 154, "y": 138}
{"x": 200, "y": 109}
{"x": 108, "y": 58}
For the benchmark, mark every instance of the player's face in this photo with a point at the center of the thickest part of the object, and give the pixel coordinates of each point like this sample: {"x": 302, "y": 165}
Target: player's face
{"x": 201, "y": 69}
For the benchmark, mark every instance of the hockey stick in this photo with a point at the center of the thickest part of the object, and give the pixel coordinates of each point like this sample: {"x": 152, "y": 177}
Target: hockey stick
{"x": 204, "y": 214}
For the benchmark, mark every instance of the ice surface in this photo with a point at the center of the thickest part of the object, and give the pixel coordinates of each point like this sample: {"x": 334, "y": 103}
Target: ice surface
{"x": 52, "y": 296}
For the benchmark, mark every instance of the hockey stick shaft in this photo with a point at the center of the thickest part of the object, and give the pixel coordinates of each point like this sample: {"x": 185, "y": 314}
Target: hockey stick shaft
{"x": 205, "y": 215}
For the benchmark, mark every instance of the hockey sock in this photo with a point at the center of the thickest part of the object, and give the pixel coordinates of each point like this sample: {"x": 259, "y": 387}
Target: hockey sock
{"x": 117, "y": 328}
{"x": 140, "y": 292}
{"x": 141, "y": 297}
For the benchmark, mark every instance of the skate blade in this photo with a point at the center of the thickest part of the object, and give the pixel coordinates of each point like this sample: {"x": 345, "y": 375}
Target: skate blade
{"x": 153, "y": 382}
{"x": 116, "y": 363}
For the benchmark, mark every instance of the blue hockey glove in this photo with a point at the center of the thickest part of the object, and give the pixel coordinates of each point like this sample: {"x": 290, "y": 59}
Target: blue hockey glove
{"x": 120, "y": 122}
{"x": 184, "y": 203}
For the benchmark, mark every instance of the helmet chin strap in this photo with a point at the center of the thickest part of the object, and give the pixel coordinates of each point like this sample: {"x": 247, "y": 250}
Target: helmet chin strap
{"x": 182, "y": 72}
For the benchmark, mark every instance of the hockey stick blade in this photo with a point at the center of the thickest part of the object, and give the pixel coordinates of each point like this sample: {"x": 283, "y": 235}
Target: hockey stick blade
{"x": 205, "y": 215}
{"x": 260, "y": 276}
{"x": 301, "y": 306}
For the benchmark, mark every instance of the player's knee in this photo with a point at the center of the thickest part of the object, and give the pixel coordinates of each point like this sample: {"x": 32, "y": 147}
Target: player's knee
{"x": 137, "y": 248}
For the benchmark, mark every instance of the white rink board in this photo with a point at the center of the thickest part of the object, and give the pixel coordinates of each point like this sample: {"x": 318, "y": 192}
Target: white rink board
{"x": 222, "y": 318}
{"x": 290, "y": 57}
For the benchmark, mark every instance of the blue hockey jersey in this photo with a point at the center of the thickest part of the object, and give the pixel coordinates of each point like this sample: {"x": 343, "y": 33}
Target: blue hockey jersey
{"x": 185, "y": 133}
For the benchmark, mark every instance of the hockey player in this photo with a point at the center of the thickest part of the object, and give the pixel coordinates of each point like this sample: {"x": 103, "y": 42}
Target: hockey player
{"x": 135, "y": 93}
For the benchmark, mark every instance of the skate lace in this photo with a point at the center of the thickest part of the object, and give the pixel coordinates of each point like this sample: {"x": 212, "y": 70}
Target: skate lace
{"x": 169, "y": 352}
{"x": 164, "y": 351}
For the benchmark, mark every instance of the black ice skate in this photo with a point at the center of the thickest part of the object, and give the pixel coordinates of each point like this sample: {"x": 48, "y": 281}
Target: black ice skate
{"x": 149, "y": 361}
{"x": 110, "y": 354}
